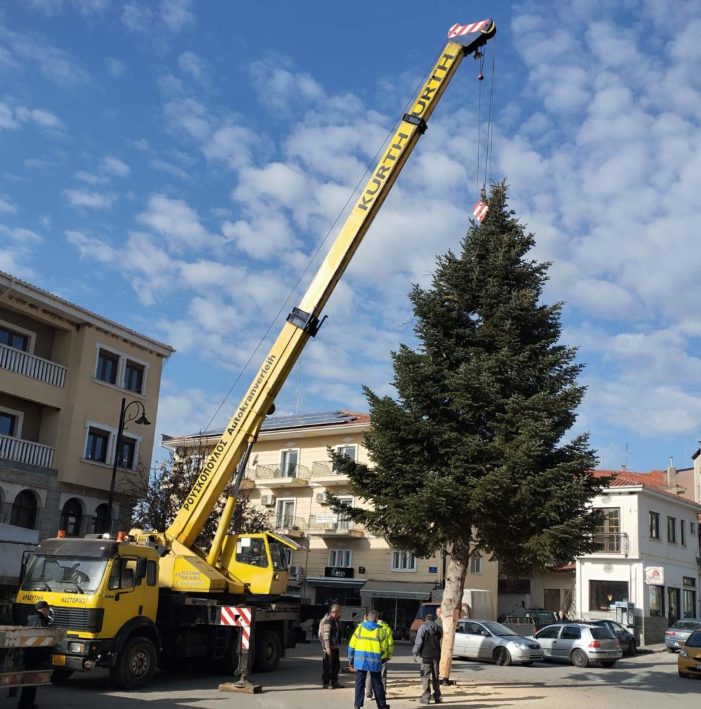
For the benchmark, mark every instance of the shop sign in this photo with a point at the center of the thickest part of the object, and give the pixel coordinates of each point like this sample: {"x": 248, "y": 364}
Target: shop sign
{"x": 339, "y": 572}
{"x": 654, "y": 575}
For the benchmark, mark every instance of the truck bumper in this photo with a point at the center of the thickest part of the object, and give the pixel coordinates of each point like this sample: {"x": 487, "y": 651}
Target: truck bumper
{"x": 79, "y": 655}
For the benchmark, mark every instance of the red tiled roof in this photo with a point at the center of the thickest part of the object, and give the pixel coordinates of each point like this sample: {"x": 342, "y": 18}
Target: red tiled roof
{"x": 654, "y": 480}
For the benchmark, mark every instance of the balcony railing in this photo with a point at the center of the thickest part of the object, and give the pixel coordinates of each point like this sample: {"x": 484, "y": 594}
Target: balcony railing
{"x": 290, "y": 522}
{"x": 610, "y": 543}
{"x": 333, "y": 523}
{"x": 277, "y": 472}
{"x": 32, "y": 366}
{"x": 324, "y": 469}
{"x": 27, "y": 452}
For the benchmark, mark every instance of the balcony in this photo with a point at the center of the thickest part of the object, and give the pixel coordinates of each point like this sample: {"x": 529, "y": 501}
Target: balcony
{"x": 31, "y": 366}
{"x": 280, "y": 476}
{"x": 324, "y": 474}
{"x": 334, "y": 525}
{"x": 610, "y": 543}
{"x": 27, "y": 452}
{"x": 290, "y": 526}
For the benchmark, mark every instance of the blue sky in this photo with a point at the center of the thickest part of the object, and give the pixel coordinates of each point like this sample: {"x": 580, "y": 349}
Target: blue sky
{"x": 172, "y": 165}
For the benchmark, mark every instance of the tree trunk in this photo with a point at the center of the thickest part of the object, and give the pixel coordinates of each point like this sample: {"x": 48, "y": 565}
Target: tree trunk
{"x": 452, "y": 603}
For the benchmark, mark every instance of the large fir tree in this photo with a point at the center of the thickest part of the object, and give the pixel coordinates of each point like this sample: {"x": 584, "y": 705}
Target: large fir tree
{"x": 471, "y": 457}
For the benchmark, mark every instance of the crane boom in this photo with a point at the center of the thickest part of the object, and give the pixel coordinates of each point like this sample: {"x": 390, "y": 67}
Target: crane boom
{"x": 303, "y": 322}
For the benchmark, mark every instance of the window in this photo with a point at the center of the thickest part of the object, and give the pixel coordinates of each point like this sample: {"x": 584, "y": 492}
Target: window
{"x": 692, "y": 527}
{"x": 682, "y": 531}
{"x": 343, "y": 522}
{"x": 549, "y": 633}
{"x": 654, "y": 522}
{"x": 102, "y": 519}
{"x": 8, "y": 424}
{"x": 288, "y": 463}
{"x": 284, "y": 514}
{"x": 672, "y": 530}
{"x": 603, "y": 594}
{"x": 123, "y": 574}
{"x": 571, "y": 632}
{"x": 688, "y": 603}
{"x": 403, "y": 561}
{"x": 656, "y": 600}
{"x": 71, "y": 517}
{"x": 96, "y": 448}
{"x": 12, "y": 338}
{"x": 607, "y": 535}
{"x": 126, "y": 453}
{"x": 107, "y": 366}
{"x": 251, "y": 550}
{"x": 476, "y": 563}
{"x": 134, "y": 377}
{"x": 340, "y": 557}
{"x": 24, "y": 510}
{"x": 350, "y": 452}
{"x": 151, "y": 573}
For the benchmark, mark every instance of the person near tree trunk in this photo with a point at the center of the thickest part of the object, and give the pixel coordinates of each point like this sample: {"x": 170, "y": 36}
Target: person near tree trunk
{"x": 428, "y": 647}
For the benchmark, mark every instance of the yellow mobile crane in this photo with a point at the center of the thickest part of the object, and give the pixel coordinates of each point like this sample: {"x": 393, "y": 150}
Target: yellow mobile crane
{"x": 132, "y": 601}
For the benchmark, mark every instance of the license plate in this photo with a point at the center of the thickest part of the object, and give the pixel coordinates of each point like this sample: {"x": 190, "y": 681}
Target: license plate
{"x": 59, "y": 660}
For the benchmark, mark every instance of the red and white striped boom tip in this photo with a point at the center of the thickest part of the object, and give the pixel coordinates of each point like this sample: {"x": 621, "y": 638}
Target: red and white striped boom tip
{"x": 461, "y": 30}
{"x": 479, "y": 211}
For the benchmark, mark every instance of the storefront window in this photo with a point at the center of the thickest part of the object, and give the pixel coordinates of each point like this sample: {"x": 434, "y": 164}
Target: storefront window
{"x": 656, "y": 600}
{"x": 689, "y": 607}
{"x": 603, "y": 594}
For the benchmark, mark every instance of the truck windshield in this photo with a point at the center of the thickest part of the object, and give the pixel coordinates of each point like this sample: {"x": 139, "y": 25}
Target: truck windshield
{"x": 280, "y": 554}
{"x": 64, "y": 574}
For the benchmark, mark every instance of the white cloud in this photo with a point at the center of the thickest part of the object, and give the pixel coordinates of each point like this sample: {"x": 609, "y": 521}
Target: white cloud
{"x": 7, "y": 207}
{"x": 91, "y": 247}
{"x": 279, "y": 87}
{"x": 165, "y": 166}
{"x": 18, "y": 246}
{"x": 193, "y": 65}
{"x": 176, "y": 14}
{"x": 13, "y": 116}
{"x": 116, "y": 67}
{"x": 89, "y": 199}
{"x": 173, "y": 219}
{"x": 114, "y": 166}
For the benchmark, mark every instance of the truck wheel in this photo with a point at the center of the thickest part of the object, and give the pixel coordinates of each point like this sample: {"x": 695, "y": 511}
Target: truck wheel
{"x": 59, "y": 675}
{"x": 136, "y": 664}
{"x": 268, "y": 651}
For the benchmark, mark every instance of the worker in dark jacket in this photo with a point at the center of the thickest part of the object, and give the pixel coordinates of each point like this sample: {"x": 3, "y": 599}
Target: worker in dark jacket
{"x": 34, "y": 658}
{"x": 428, "y": 648}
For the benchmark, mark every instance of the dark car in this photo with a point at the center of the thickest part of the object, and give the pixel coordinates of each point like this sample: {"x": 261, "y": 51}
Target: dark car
{"x": 625, "y": 638}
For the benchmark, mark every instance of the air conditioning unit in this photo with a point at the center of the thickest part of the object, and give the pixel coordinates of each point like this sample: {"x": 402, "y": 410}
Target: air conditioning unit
{"x": 321, "y": 498}
{"x": 297, "y": 572}
{"x": 267, "y": 500}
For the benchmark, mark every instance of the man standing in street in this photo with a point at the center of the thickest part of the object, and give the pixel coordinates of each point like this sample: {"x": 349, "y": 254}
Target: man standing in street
{"x": 34, "y": 658}
{"x": 330, "y": 639}
{"x": 390, "y": 652}
{"x": 428, "y": 647}
{"x": 367, "y": 651}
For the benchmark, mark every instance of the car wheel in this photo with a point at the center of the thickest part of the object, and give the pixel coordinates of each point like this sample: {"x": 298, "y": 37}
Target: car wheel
{"x": 579, "y": 658}
{"x": 608, "y": 663}
{"x": 502, "y": 656}
{"x": 671, "y": 649}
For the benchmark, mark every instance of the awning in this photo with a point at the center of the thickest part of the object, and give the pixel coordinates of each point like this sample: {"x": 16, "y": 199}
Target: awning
{"x": 333, "y": 581}
{"x": 398, "y": 589}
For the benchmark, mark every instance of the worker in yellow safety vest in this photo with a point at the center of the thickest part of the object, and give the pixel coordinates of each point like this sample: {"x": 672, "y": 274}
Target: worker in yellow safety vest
{"x": 368, "y": 651}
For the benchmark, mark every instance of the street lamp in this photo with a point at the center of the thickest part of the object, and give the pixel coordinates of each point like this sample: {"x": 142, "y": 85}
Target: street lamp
{"x": 123, "y": 420}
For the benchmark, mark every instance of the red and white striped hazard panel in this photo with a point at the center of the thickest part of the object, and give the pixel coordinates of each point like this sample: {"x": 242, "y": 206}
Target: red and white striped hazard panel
{"x": 239, "y": 617}
{"x": 461, "y": 30}
{"x": 479, "y": 211}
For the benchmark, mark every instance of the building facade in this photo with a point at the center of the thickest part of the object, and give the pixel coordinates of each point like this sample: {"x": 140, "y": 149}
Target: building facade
{"x": 64, "y": 372}
{"x": 645, "y": 570}
{"x": 289, "y": 473}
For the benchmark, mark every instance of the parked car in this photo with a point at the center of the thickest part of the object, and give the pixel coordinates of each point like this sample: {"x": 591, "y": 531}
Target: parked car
{"x": 489, "y": 640}
{"x": 579, "y": 643}
{"x": 679, "y": 632}
{"x": 689, "y": 660}
{"x": 625, "y": 638}
{"x": 529, "y": 621}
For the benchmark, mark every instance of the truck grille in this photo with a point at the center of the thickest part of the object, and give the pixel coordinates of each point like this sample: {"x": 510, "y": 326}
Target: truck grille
{"x": 87, "y": 620}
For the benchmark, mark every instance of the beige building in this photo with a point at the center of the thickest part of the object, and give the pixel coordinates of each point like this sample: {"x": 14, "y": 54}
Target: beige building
{"x": 64, "y": 372}
{"x": 289, "y": 473}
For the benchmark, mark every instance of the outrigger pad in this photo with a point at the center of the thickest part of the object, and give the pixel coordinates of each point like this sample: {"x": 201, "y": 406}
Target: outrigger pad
{"x": 241, "y": 688}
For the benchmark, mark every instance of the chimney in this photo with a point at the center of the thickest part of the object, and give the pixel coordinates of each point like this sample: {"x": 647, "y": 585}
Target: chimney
{"x": 671, "y": 475}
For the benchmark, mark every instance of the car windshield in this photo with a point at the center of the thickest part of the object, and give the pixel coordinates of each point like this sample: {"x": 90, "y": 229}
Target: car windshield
{"x": 541, "y": 616}
{"x": 499, "y": 629}
{"x": 686, "y": 624}
{"x": 599, "y": 633}
{"x": 694, "y": 640}
{"x": 64, "y": 574}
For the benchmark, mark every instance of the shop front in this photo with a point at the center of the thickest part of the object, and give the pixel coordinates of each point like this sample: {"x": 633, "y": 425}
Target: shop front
{"x": 397, "y": 601}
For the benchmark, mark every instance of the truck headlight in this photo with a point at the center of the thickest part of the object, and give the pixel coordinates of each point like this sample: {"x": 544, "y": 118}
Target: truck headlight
{"x": 78, "y": 648}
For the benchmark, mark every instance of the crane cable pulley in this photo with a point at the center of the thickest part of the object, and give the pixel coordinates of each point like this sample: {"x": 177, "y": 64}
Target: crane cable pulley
{"x": 481, "y": 208}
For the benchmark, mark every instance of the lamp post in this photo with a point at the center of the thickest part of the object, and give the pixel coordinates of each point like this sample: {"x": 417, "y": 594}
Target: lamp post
{"x": 123, "y": 420}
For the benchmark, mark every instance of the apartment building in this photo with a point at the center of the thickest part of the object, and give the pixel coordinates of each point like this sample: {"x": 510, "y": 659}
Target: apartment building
{"x": 289, "y": 473}
{"x": 64, "y": 372}
{"x": 645, "y": 569}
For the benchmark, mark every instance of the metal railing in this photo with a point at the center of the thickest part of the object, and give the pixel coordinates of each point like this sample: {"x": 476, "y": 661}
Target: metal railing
{"x": 324, "y": 468}
{"x": 29, "y": 452}
{"x": 32, "y": 366}
{"x": 333, "y": 523}
{"x": 610, "y": 543}
{"x": 277, "y": 472}
{"x": 290, "y": 522}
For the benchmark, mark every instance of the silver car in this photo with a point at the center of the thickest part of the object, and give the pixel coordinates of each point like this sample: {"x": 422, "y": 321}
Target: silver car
{"x": 679, "y": 632}
{"x": 487, "y": 640}
{"x": 579, "y": 643}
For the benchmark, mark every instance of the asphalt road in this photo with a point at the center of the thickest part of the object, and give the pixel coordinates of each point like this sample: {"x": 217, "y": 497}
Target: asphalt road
{"x": 646, "y": 681}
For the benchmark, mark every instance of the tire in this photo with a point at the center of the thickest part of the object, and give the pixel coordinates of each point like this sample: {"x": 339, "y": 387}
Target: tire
{"x": 671, "y": 649}
{"x": 608, "y": 663}
{"x": 136, "y": 664}
{"x": 268, "y": 651}
{"x": 58, "y": 676}
{"x": 632, "y": 648}
{"x": 579, "y": 658}
{"x": 502, "y": 656}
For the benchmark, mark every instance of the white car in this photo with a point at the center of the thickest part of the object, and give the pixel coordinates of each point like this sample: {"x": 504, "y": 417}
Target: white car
{"x": 487, "y": 640}
{"x": 579, "y": 643}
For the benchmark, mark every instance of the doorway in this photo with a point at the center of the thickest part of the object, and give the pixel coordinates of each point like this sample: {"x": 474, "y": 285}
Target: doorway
{"x": 672, "y": 605}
